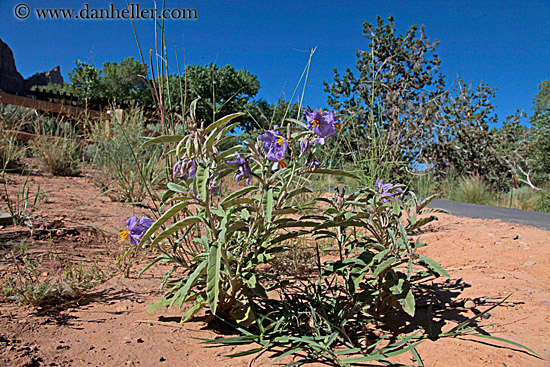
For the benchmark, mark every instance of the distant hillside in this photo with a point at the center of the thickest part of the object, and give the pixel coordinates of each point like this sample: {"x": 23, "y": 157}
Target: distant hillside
{"x": 11, "y": 80}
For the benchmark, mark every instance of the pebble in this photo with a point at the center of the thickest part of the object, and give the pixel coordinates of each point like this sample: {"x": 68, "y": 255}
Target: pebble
{"x": 515, "y": 237}
{"x": 469, "y": 304}
{"x": 528, "y": 263}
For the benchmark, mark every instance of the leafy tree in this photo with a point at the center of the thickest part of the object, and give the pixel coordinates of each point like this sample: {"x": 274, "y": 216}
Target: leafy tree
{"x": 541, "y": 132}
{"x": 124, "y": 82}
{"x": 85, "y": 82}
{"x": 464, "y": 143}
{"x": 394, "y": 94}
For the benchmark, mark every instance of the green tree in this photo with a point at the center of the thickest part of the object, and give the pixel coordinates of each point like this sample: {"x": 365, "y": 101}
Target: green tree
{"x": 124, "y": 82}
{"x": 541, "y": 132}
{"x": 394, "y": 94}
{"x": 85, "y": 82}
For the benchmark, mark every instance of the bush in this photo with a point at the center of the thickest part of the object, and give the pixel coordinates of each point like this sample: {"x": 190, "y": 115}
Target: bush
{"x": 472, "y": 190}
{"x": 58, "y": 147}
{"x": 223, "y": 250}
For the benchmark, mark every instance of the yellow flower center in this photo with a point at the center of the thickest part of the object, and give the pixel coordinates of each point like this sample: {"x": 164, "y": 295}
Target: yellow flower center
{"x": 124, "y": 235}
{"x": 315, "y": 123}
{"x": 281, "y": 140}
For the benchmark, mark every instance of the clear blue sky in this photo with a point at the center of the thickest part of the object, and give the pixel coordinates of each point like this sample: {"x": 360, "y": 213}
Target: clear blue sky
{"x": 504, "y": 43}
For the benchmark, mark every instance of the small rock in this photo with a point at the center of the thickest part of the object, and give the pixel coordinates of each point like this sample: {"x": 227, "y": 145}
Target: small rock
{"x": 515, "y": 237}
{"x": 138, "y": 340}
{"x": 121, "y": 309}
{"x": 469, "y": 304}
{"x": 529, "y": 263}
{"x": 486, "y": 316}
{"x": 162, "y": 359}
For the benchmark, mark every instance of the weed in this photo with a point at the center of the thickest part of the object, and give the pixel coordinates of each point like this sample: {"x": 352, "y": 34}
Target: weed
{"x": 22, "y": 206}
{"x": 30, "y": 283}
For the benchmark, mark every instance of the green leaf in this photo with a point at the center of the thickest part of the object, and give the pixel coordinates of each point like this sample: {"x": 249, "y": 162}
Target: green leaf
{"x": 226, "y": 153}
{"x": 201, "y": 179}
{"x": 505, "y": 341}
{"x": 162, "y": 219}
{"x": 378, "y": 356}
{"x": 213, "y": 276}
{"x": 246, "y": 352}
{"x": 193, "y": 109}
{"x": 420, "y": 222}
{"x": 197, "y": 306}
{"x": 163, "y": 139}
{"x": 177, "y": 188}
{"x": 174, "y": 228}
{"x": 228, "y": 128}
{"x": 159, "y": 305}
{"x": 239, "y": 193}
{"x": 223, "y": 121}
{"x": 434, "y": 266}
{"x": 383, "y": 265}
{"x": 403, "y": 294}
{"x": 268, "y": 205}
{"x": 235, "y": 202}
{"x": 191, "y": 280}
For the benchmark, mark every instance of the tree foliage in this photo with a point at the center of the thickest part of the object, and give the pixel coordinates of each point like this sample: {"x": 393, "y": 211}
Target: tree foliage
{"x": 464, "y": 142}
{"x": 540, "y": 120}
{"x": 395, "y": 90}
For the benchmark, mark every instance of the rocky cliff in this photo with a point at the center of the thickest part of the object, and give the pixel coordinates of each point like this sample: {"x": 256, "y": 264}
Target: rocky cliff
{"x": 11, "y": 80}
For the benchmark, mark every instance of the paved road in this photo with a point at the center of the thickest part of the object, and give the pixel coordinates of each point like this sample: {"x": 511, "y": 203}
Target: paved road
{"x": 535, "y": 219}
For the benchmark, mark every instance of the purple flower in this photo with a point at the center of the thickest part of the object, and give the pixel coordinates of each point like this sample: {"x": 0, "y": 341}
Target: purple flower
{"x": 185, "y": 169}
{"x": 244, "y": 169}
{"x": 274, "y": 145}
{"x": 136, "y": 229}
{"x": 314, "y": 163}
{"x": 387, "y": 189}
{"x": 323, "y": 124}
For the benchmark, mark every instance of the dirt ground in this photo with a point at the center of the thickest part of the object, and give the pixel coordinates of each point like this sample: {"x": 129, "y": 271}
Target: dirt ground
{"x": 487, "y": 260}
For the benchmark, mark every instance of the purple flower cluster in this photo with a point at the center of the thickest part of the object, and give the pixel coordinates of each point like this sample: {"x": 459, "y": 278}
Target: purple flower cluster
{"x": 136, "y": 229}
{"x": 274, "y": 145}
{"x": 244, "y": 169}
{"x": 184, "y": 169}
{"x": 388, "y": 189}
{"x": 323, "y": 124}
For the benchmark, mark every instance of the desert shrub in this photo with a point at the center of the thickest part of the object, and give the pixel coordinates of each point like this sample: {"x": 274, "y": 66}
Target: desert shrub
{"x": 57, "y": 147}
{"x": 223, "y": 248}
{"x": 526, "y": 198}
{"x": 58, "y": 156}
{"x": 472, "y": 190}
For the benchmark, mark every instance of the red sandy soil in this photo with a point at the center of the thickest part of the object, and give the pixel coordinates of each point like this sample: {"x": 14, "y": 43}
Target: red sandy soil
{"x": 108, "y": 326}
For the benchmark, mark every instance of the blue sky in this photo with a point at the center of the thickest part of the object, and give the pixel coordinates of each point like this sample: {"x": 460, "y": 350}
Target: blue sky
{"x": 503, "y": 43}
